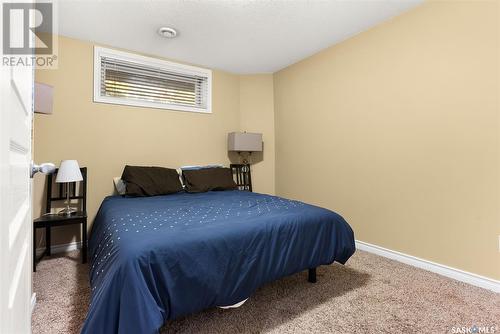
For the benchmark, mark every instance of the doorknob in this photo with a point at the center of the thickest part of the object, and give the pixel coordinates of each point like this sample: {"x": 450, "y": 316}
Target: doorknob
{"x": 45, "y": 168}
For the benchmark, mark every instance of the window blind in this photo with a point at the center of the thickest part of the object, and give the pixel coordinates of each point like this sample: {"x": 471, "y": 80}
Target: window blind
{"x": 166, "y": 86}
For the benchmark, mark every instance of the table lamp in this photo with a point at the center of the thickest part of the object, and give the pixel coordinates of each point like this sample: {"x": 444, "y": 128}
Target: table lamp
{"x": 69, "y": 171}
{"x": 244, "y": 142}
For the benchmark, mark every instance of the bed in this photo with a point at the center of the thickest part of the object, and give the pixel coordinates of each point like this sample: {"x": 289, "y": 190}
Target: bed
{"x": 158, "y": 258}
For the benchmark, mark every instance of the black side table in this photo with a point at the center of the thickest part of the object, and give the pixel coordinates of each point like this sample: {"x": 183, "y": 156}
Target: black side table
{"x": 48, "y": 221}
{"x": 57, "y": 192}
{"x": 242, "y": 176}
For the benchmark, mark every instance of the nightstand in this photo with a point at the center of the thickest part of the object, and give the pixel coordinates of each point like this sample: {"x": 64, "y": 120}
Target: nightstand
{"x": 57, "y": 192}
{"x": 242, "y": 176}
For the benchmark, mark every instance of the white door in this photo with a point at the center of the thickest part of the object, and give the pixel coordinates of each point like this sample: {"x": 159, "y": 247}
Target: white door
{"x": 16, "y": 110}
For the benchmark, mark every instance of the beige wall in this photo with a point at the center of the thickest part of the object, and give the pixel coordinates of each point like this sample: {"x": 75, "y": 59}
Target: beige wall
{"x": 397, "y": 129}
{"x": 105, "y": 137}
{"x": 257, "y": 115}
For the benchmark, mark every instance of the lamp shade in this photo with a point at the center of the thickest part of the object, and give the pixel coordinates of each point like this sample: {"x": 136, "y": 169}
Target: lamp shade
{"x": 244, "y": 142}
{"x": 69, "y": 171}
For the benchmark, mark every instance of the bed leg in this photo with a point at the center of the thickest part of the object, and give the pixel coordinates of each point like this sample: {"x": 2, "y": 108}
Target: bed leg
{"x": 312, "y": 275}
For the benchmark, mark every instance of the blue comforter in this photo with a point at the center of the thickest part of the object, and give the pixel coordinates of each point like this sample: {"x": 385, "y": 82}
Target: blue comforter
{"x": 158, "y": 258}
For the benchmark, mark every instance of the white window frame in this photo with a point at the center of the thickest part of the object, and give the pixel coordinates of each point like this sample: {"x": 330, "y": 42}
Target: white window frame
{"x": 148, "y": 61}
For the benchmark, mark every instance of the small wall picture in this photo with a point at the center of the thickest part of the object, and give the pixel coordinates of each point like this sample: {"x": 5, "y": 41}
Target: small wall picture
{"x": 44, "y": 96}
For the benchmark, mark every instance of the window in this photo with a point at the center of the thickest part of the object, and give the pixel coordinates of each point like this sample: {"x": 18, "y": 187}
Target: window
{"x": 129, "y": 79}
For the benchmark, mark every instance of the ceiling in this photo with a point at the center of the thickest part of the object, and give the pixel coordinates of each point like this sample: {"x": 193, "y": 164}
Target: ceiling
{"x": 237, "y": 36}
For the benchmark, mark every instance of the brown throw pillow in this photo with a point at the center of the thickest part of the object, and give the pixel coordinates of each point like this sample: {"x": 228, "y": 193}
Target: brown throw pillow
{"x": 201, "y": 180}
{"x": 150, "y": 181}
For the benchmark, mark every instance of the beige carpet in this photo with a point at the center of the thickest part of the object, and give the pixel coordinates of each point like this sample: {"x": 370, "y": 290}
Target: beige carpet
{"x": 370, "y": 294}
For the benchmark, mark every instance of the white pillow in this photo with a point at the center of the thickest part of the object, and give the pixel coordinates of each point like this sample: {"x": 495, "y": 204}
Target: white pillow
{"x": 179, "y": 171}
{"x": 196, "y": 167}
{"x": 234, "y": 305}
{"x": 120, "y": 186}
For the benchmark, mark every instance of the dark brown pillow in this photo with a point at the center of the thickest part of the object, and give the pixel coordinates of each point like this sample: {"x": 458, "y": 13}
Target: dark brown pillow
{"x": 150, "y": 181}
{"x": 206, "y": 179}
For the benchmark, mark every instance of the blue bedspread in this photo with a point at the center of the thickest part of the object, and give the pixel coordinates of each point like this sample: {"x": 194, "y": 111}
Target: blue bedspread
{"x": 157, "y": 258}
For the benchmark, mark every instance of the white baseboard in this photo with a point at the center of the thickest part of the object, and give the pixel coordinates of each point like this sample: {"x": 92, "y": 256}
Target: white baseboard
{"x": 62, "y": 248}
{"x": 457, "y": 274}
{"x": 33, "y": 302}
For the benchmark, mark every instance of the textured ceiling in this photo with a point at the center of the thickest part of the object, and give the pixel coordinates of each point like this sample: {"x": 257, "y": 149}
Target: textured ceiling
{"x": 236, "y": 36}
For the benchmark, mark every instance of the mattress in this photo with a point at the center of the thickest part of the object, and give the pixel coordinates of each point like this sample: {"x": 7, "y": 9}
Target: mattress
{"x": 154, "y": 259}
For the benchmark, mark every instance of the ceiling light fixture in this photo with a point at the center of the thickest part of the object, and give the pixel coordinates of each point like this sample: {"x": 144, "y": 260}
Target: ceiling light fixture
{"x": 167, "y": 32}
